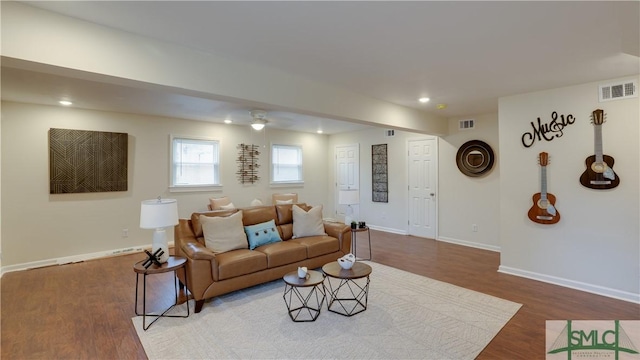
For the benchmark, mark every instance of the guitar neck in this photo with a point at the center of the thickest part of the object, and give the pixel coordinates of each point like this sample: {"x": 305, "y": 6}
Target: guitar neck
{"x": 543, "y": 182}
{"x": 597, "y": 133}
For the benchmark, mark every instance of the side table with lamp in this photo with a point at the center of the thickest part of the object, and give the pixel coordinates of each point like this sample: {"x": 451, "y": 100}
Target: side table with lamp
{"x": 158, "y": 214}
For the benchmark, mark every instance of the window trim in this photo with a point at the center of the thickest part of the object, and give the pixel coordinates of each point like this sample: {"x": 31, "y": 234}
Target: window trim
{"x": 288, "y": 183}
{"x": 194, "y": 188}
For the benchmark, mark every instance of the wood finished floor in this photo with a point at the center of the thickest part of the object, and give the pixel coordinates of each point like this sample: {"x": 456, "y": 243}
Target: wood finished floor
{"x": 84, "y": 310}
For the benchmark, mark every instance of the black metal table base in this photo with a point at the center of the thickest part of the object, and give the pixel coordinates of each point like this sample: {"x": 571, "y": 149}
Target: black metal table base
{"x": 349, "y": 297}
{"x": 144, "y": 301}
{"x": 304, "y": 308}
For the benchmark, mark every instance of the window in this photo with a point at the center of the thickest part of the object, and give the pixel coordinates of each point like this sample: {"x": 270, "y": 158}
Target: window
{"x": 286, "y": 164}
{"x": 195, "y": 162}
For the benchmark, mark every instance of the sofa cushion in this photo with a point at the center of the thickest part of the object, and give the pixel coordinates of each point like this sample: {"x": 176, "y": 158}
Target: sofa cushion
{"x": 282, "y": 253}
{"x": 285, "y": 213}
{"x": 307, "y": 223}
{"x": 240, "y": 262}
{"x": 262, "y": 234}
{"x": 222, "y": 234}
{"x": 217, "y": 203}
{"x": 229, "y": 206}
{"x": 318, "y": 245}
{"x": 195, "y": 219}
{"x": 258, "y": 214}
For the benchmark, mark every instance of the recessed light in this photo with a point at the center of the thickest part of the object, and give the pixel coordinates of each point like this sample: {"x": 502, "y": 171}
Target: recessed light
{"x": 424, "y": 100}
{"x": 319, "y": 131}
{"x": 441, "y": 106}
{"x": 227, "y": 121}
{"x": 65, "y": 102}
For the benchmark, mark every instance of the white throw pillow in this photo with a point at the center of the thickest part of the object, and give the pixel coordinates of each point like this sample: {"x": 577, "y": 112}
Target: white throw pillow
{"x": 283, "y": 202}
{"x": 307, "y": 223}
{"x": 256, "y": 202}
{"x": 227, "y": 207}
{"x": 222, "y": 234}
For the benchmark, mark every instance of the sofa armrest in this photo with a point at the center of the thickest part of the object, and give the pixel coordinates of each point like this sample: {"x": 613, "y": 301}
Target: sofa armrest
{"x": 197, "y": 251}
{"x": 340, "y": 231}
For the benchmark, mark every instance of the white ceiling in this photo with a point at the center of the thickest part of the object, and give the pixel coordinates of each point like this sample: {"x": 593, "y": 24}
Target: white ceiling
{"x": 463, "y": 54}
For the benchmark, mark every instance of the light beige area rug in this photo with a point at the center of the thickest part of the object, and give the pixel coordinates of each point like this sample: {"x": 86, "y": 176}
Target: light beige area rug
{"x": 408, "y": 317}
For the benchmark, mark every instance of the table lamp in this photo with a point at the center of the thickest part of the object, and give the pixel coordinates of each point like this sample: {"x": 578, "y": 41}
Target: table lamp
{"x": 159, "y": 214}
{"x": 348, "y": 197}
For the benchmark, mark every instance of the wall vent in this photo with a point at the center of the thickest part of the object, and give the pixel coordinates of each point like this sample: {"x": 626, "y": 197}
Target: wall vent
{"x": 390, "y": 133}
{"x": 621, "y": 90}
{"x": 466, "y": 124}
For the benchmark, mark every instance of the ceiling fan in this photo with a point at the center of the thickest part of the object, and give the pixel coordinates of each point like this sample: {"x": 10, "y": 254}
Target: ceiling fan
{"x": 259, "y": 120}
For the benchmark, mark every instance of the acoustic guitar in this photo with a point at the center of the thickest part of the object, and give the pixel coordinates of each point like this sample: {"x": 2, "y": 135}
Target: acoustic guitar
{"x": 543, "y": 210}
{"x": 599, "y": 173}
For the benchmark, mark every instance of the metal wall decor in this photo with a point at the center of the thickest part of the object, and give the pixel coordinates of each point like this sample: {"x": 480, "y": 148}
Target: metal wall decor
{"x": 379, "y": 173}
{"x": 475, "y": 158}
{"x": 83, "y": 161}
{"x": 248, "y": 163}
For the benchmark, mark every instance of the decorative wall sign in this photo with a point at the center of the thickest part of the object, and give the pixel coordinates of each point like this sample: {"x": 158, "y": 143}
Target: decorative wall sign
{"x": 248, "y": 163}
{"x": 548, "y": 131}
{"x": 475, "y": 158}
{"x": 87, "y": 161}
{"x": 380, "y": 181}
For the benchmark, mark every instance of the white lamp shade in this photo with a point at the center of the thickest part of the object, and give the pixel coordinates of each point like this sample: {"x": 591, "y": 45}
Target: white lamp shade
{"x": 348, "y": 197}
{"x": 158, "y": 213}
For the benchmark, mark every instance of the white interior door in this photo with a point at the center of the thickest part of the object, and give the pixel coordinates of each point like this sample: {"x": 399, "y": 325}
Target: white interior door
{"x": 422, "y": 187}
{"x": 347, "y": 173}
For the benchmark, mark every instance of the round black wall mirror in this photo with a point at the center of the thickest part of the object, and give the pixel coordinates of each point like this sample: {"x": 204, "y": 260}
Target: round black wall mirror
{"x": 475, "y": 158}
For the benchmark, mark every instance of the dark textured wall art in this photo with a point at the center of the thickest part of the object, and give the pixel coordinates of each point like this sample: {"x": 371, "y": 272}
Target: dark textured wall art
{"x": 87, "y": 161}
{"x": 379, "y": 173}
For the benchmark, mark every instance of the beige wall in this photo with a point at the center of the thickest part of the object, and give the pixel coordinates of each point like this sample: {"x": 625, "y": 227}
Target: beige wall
{"x": 37, "y": 226}
{"x": 595, "y": 245}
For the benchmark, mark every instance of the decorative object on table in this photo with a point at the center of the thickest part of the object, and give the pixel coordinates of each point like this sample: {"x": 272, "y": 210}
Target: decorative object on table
{"x": 159, "y": 214}
{"x": 362, "y": 224}
{"x": 354, "y": 225}
{"x": 380, "y": 175}
{"x": 248, "y": 163}
{"x": 543, "y": 210}
{"x": 599, "y": 174}
{"x": 153, "y": 258}
{"x": 302, "y": 272}
{"x": 87, "y": 161}
{"x": 348, "y": 197}
{"x": 346, "y": 262}
{"x": 475, "y": 158}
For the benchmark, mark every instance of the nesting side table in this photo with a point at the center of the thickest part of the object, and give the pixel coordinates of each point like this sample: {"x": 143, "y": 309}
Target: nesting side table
{"x": 304, "y": 307}
{"x": 174, "y": 264}
{"x": 354, "y": 239}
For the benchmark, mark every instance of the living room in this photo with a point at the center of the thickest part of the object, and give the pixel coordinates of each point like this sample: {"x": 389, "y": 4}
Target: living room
{"x": 593, "y": 248}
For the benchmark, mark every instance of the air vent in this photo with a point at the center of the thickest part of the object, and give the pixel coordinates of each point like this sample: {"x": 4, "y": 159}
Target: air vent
{"x": 390, "y": 133}
{"x": 467, "y": 124}
{"x": 622, "y": 90}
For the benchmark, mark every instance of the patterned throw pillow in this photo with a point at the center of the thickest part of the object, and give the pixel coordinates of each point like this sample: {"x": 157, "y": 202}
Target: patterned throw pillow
{"x": 262, "y": 234}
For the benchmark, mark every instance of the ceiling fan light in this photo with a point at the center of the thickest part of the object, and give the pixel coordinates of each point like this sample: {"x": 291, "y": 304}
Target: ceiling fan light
{"x": 258, "y": 124}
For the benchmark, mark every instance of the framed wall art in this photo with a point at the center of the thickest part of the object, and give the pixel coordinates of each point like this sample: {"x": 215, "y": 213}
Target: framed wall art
{"x": 87, "y": 161}
{"x": 380, "y": 175}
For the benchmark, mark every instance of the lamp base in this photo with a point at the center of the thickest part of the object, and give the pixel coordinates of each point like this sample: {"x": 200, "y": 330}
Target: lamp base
{"x": 160, "y": 242}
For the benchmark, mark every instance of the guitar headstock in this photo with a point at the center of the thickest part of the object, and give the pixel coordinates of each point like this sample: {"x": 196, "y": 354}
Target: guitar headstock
{"x": 597, "y": 116}
{"x": 543, "y": 158}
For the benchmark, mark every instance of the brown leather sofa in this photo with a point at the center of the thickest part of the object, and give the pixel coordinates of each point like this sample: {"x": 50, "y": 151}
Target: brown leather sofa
{"x": 210, "y": 274}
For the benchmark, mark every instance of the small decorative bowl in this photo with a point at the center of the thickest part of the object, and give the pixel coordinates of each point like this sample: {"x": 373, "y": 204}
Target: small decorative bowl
{"x": 345, "y": 264}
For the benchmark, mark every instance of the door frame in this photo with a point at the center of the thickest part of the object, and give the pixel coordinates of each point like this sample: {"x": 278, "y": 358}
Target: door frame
{"x": 436, "y": 173}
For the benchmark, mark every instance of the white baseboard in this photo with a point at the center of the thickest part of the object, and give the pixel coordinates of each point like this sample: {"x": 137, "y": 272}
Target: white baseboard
{"x": 469, "y": 243}
{"x": 572, "y": 284}
{"x": 73, "y": 258}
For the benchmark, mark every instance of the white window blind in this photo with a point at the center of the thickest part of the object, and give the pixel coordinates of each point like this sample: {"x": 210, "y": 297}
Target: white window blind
{"x": 194, "y": 162}
{"x": 286, "y": 164}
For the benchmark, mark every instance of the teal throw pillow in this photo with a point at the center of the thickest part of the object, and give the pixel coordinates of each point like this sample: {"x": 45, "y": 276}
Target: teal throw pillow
{"x": 262, "y": 234}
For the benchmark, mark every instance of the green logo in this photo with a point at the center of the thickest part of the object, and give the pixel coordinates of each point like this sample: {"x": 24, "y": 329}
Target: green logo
{"x": 592, "y": 339}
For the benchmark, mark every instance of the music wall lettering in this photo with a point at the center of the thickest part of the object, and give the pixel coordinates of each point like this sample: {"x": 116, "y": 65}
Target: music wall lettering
{"x": 548, "y": 131}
